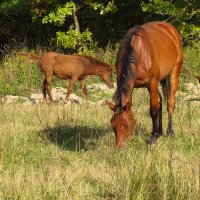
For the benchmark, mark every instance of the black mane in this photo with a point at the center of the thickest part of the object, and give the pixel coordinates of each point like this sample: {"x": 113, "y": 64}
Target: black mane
{"x": 125, "y": 56}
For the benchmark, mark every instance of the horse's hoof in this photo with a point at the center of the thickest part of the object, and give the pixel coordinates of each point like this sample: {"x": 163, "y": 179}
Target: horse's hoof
{"x": 152, "y": 139}
{"x": 170, "y": 133}
{"x": 65, "y": 102}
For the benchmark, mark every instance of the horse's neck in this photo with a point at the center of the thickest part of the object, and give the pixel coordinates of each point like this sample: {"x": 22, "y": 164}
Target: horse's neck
{"x": 125, "y": 97}
{"x": 96, "y": 70}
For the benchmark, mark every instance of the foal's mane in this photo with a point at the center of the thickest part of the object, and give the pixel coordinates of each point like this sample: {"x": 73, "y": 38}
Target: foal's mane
{"x": 125, "y": 56}
{"x": 95, "y": 61}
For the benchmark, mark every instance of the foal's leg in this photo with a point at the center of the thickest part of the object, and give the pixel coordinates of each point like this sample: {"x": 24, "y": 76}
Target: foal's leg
{"x": 69, "y": 89}
{"x": 84, "y": 88}
{"x": 171, "y": 98}
{"x": 44, "y": 89}
{"x": 154, "y": 110}
{"x": 48, "y": 87}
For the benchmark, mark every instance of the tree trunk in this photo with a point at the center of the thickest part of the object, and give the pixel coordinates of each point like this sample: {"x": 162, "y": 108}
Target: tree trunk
{"x": 76, "y": 22}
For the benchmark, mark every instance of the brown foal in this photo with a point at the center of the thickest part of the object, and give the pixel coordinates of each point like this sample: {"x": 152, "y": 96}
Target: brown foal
{"x": 73, "y": 67}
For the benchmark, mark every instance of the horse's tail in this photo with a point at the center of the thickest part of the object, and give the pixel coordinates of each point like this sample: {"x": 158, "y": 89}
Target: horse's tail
{"x": 165, "y": 87}
{"x": 198, "y": 77}
{"x": 30, "y": 56}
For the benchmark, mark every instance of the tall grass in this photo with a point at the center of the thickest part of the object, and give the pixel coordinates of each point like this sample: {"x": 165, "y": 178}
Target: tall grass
{"x": 56, "y": 152}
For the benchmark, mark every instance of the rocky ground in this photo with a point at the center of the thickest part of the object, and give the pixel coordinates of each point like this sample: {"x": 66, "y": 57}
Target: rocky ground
{"x": 59, "y": 94}
{"x": 192, "y": 93}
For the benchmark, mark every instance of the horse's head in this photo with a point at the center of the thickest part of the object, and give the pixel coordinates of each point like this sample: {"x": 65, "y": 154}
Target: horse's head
{"x": 107, "y": 77}
{"x": 123, "y": 123}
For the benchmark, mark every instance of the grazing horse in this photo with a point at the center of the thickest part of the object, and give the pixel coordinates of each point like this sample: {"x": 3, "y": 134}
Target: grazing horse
{"x": 73, "y": 67}
{"x": 148, "y": 55}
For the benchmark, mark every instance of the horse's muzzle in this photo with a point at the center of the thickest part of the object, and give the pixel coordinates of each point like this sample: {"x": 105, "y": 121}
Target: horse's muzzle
{"x": 110, "y": 85}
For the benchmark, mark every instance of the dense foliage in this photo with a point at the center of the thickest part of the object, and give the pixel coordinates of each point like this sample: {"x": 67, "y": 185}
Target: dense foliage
{"x": 82, "y": 25}
{"x": 93, "y": 27}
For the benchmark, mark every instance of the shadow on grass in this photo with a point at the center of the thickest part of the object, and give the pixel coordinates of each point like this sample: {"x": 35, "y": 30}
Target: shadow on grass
{"x": 194, "y": 99}
{"x": 74, "y": 138}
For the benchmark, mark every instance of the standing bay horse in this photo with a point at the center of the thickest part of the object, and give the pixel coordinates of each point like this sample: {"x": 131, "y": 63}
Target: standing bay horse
{"x": 73, "y": 67}
{"x": 148, "y": 55}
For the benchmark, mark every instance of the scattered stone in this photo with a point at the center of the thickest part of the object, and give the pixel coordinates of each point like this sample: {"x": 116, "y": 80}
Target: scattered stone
{"x": 75, "y": 99}
{"x": 59, "y": 94}
{"x": 29, "y": 103}
{"x": 102, "y": 87}
{"x": 10, "y": 99}
{"x": 193, "y": 88}
{"x": 101, "y": 102}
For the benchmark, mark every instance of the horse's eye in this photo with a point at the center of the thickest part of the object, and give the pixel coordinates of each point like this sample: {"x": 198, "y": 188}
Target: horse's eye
{"x": 126, "y": 126}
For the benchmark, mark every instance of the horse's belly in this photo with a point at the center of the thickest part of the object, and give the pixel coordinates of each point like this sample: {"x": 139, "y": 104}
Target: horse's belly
{"x": 167, "y": 65}
{"x": 140, "y": 83}
{"x": 165, "y": 72}
{"x": 61, "y": 75}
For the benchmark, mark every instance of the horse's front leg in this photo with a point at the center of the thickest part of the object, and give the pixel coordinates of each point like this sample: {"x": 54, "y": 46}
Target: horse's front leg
{"x": 70, "y": 87}
{"x": 47, "y": 87}
{"x": 84, "y": 88}
{"x": 155, "y": 110}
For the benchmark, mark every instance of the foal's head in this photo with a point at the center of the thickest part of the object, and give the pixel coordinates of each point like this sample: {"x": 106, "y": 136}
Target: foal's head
{"x": 107, "y": 77}
{"x": 104, "y": 70}
{"x": 123, "y": 123}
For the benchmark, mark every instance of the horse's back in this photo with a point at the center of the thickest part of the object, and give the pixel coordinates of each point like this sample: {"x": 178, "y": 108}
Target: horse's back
{"x": 165, "y": 45}
{"x": 66, "y": 66}
{"x": 47, "y": 60}
{"x": 164, "y": 33}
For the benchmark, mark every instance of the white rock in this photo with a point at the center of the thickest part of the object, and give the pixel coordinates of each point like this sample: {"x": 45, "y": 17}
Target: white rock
{"x": 102, "y": 87}
{"x": 101, "y": 102}
{"x": 75, "y": 99}
{"x": 36, "y": 96}
{"x": 10, "y": 99}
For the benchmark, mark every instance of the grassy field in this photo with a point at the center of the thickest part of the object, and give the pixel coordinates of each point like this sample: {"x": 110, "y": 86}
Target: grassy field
{"x": 53, "y": 152}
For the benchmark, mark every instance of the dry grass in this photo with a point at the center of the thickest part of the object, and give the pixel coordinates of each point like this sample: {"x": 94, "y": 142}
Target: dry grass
{"x": 55, "y": 152}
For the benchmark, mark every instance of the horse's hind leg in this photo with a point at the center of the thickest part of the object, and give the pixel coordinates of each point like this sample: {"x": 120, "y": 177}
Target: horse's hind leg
{"x": 70, "y": 87}
{"x": 44, "y": 89}
{"x": 171, "y": 99}
{"x": 155, "y": 110}
{"x": 84, "y": 88}
{"x": 160, "y": 116}
{"x": 48, "y": 87}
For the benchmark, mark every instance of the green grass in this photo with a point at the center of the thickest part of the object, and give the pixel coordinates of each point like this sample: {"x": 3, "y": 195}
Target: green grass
{"x": 55, "y": 152}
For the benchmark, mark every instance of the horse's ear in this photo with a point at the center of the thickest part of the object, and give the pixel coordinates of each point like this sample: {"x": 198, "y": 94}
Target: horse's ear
{"x": 198, "y": 77}
{"x": 111, "y": 105}
{"x": 127, "y": 107}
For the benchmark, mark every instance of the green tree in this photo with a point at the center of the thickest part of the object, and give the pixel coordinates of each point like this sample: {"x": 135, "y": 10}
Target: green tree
{"x": 76, "y": 25}
{"x": 185, "y": 14}
{"x": 74, "y": 37}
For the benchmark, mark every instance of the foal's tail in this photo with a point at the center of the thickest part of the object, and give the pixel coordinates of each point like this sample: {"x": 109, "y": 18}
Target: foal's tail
{"x": 165, "y": 87}
{"x": 30, "y": 56}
